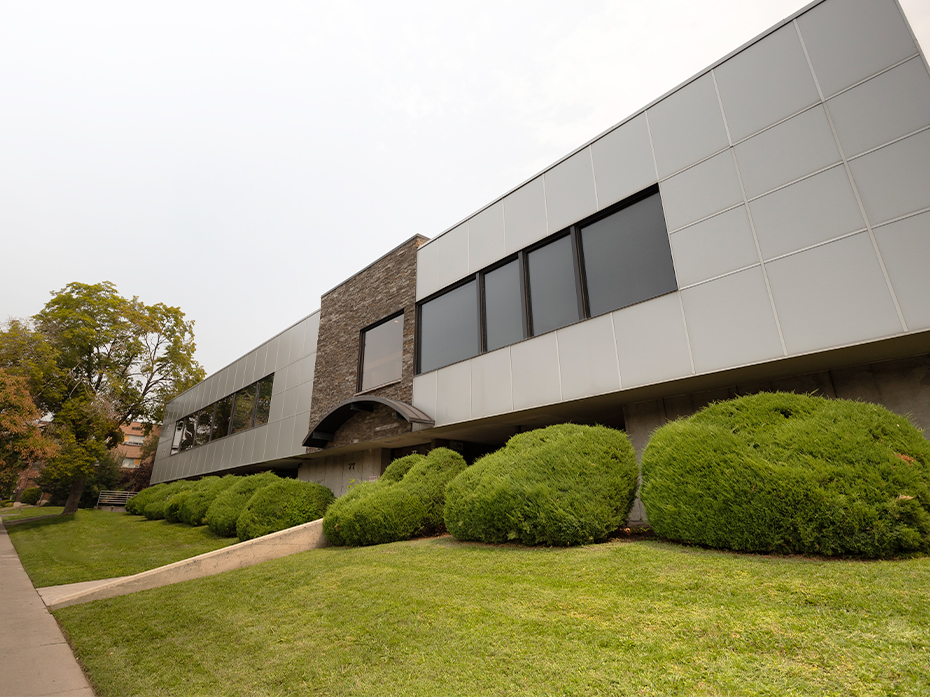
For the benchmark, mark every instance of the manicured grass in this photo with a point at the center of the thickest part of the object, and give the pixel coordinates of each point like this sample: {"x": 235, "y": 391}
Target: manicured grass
{"x": 92, "y": 545}
{"x": 439, "y": 617}
{"x": 30, "y": 512}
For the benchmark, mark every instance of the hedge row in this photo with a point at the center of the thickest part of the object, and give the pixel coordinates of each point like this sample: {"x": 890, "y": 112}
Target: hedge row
{"x": 248, "y": 506}
{"x": 773, "y": 472}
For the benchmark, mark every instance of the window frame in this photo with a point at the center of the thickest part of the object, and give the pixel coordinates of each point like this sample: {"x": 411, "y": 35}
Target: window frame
{"x": 417, "y": 350}
{"x": 190, "y": 420}
{"x": 361, "y": 353}
{"x": 573, "y": 232}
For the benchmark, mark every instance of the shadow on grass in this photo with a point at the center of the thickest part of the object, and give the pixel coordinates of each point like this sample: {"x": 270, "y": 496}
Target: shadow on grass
{"x": 40, "y": 521}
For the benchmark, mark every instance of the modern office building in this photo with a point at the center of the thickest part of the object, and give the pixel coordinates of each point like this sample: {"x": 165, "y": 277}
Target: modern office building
{"x": 765, "y": 225}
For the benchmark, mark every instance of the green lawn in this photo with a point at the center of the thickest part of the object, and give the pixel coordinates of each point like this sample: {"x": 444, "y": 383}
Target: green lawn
{"x": 94, "y": 544}
{"x": 436, "y": 617}
{"x": 30, "y": 512}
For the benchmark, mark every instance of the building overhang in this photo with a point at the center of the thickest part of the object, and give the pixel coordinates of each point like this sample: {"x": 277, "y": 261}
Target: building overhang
{"x": 324, "y": 432}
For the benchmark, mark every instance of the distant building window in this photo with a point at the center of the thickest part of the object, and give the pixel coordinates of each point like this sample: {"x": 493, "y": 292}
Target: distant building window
{"x": 449, "y": 327}
{"x": 382, "y": 349}
{"x": 129, "y": 463}
{"x": 134, "y": 440}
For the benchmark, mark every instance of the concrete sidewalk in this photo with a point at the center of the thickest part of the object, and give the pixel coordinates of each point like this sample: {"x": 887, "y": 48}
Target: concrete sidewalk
{"x": 35, "y": 659}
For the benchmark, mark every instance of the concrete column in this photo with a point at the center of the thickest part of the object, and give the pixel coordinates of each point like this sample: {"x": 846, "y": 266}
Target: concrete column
{"x": 641, "y": 418}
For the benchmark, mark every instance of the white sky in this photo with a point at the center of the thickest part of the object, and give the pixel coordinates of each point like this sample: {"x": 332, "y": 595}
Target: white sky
{"x": 239, "y": 159}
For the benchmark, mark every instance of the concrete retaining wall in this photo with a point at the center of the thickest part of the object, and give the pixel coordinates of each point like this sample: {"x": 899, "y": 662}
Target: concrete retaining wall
{"x": 278, "y": 544}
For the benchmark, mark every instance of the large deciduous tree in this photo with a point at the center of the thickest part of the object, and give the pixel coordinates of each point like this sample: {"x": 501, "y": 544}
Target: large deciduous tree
{"x": 21, "y": 438}
{"x": 97, "y": 360}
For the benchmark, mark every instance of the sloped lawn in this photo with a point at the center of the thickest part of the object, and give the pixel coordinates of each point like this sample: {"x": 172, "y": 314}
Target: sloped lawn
{"x": 30, "y": 512}
{"x": 437, "y": 617}
{"x": 92, "y": 545}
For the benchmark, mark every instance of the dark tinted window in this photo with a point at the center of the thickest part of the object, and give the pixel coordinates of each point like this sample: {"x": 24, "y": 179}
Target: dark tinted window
{"x": 203, "y": 425}
{"x": 382, "y": 353}
{"x": 187, "y": 438}
{"x": 242, "y": 411}
{"x": 263, "y": 406}
{"x": 627, "y": 257}
{"x": 553, "y": 294}
{"x": 449, "y": 328}
{"x": 221, "y": 421}
{"x": 178, "y": 436}
{"x": 502, "y": 306}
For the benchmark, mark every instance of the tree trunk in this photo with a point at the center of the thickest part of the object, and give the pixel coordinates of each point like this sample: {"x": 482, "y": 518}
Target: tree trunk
{"x": 74, "y": 497}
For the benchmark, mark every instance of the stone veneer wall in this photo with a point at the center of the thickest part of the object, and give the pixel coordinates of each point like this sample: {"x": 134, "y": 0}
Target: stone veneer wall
{"x": 383, "y": 289}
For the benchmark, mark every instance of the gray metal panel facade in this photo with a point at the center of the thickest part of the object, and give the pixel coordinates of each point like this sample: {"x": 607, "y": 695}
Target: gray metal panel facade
{"x": 795, "y": 180}
{"x": 287, "y": 356}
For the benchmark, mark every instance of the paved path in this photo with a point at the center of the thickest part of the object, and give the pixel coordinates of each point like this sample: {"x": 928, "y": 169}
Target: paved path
{"x": 35, "y": 659}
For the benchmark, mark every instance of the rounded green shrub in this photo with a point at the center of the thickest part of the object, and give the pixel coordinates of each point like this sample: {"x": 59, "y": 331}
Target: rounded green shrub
{"x": 155, "y": 507}
{"x": 30, "y": 496}
{"x": 174, "y": 502}
{"x": 344, "y": 507}
{"x": 398, "y": 469}
{"x": 562, "y": 485}
{"x": 788, "y": 473}
{"x": 282, "y": 505}
{"x": 226, "y": 508}
{"x": 194, "y": 507}
{"x": 406, "y": 502}
{"x": 136, "y": 505}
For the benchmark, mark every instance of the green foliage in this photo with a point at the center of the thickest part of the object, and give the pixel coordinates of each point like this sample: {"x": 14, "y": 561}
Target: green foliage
{"x": 282, "y": 505}
{"x": 21, "y": 439}
{"x": 136, "y": 505}
{"x": 29, "y": 354}
{"x": 195, "y": 505}
{"x": 30, "y": 496}
{"x": 224, "y": 512}
{"x": 789, "y": 473}
{"x": 562, "y": 485}
{"x": 94, "y": 545}
{"x": 343, "y": 509}
{"x": 437, "y": 617}
{"x": 406, "y": 502}
{"x": 174, "y": 502}
{"x": 155, "y": 507}
{"x": 103, "y": 476}
{"x": 97, "y": 360}
{"x": 396, "y": 471}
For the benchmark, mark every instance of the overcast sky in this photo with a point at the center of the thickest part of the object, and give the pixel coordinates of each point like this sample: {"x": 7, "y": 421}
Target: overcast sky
{"x": 239, "y": 159}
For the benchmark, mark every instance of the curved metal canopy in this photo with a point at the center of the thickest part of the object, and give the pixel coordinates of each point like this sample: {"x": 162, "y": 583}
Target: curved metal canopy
{"x": 325, "y": 431}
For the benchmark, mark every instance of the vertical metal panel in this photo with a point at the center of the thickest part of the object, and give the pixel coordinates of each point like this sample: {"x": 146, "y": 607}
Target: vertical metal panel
{"x": 832, "y": 295}
{"x": 849, "y": 41}
{"x": 652, "y": 344}
{"x": 714, "y": 247}
{"x": 687, "y": 126}
{"x": 730, "y": 321}
{"x": 623, "y": 162}
{"x": 588, "y": 359}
